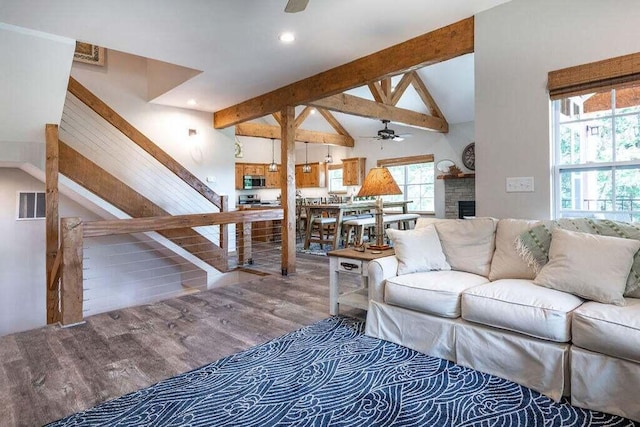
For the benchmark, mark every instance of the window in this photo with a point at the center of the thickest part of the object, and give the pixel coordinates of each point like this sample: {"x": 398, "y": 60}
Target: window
{"x": 31, "y": 205}
{"x": 596, "y": 139}
{"x": 335, "y": 179}
{"x": 415, "y": 177}
{"x": 597, "y": 154}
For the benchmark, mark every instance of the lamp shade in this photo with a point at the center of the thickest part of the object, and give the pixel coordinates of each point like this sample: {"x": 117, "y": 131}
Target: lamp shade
{"x": 379, "y": 182}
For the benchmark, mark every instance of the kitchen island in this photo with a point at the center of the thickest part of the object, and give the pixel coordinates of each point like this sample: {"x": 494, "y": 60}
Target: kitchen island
{"x": 264, "y": 231}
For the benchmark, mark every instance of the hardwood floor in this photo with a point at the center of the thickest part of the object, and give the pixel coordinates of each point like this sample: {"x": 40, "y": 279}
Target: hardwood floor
{"x": 50, "y": 372}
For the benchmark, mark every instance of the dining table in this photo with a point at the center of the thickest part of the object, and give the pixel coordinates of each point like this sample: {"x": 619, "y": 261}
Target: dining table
{"x": 339, "y": 211}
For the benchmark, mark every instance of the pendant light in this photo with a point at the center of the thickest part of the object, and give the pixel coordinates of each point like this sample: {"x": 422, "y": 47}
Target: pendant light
{"x": 273, "y": 167}
{"x": 328, "y": 158}
{"x": 306, "y": 168}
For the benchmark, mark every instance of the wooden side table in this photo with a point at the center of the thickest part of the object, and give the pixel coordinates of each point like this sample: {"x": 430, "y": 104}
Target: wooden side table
{"x": 349, "y": 261}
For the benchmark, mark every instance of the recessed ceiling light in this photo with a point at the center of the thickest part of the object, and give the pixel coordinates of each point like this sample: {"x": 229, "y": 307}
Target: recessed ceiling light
{"x": 286, "y": 37}
{"x": 313, "y": 111}
{"x": 191, "y": 102}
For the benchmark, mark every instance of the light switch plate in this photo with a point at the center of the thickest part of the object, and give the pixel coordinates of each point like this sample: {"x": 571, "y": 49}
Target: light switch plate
{"x": 520, "y": 184}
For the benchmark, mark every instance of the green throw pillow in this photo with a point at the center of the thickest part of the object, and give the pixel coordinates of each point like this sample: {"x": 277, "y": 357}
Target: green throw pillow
{"x": 533, "y": 245}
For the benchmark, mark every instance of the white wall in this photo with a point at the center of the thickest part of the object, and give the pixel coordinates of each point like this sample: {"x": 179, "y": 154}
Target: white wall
{"x": 516, "y": 45}
{"x": 442, "y": 146}
{"x": 22, "y": 263}
{"x": 35, "y": 71}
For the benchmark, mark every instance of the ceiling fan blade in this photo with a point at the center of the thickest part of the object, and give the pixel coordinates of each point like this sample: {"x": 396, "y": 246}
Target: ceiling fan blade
{"x": 294, "y": 6}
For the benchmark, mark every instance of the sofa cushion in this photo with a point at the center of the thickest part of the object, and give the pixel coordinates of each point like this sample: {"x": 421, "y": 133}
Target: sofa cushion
{"x": 519, "y": 305}
{"x": 433, "y": 292}
{"x": 609, "y": 329}
{"x": 588, "y": 265}
{"x": 425, "y": 221}
{"x": 506, "y": 262}
{"x": 468, "y": 243}
{"x": 418, "y": 250}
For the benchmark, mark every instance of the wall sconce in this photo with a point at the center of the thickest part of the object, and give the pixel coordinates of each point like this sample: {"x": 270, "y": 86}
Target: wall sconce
{"x": 193, "y": 132}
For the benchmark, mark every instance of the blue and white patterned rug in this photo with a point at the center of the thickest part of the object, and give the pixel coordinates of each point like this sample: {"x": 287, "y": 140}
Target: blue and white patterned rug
{"x": 330, "y": 374}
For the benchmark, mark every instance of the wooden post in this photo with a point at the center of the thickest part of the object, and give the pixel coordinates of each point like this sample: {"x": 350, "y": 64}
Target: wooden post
{"x": 288, "y": 193}
{"x": 51, "y": 227}
{"x": 224, "y": 232}
{"x": 72, "y": 280}
{"x": 243, "y": 243}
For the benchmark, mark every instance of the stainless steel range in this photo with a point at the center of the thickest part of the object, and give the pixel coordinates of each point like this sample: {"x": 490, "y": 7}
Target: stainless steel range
{"x": 248, "y": 199}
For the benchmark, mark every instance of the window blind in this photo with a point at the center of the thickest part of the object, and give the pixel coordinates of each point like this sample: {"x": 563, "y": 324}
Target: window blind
{"x": 613, "y": 73}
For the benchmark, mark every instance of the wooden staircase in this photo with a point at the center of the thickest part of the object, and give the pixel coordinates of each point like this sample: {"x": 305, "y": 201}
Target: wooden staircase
{"x": 63, "y": 159}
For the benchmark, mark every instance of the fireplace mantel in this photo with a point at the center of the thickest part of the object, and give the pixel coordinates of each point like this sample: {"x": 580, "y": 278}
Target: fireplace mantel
{"x": 458, "y": 176}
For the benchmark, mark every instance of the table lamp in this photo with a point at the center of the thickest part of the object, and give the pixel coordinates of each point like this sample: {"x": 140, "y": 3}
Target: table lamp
{"x": 379, "y": 182}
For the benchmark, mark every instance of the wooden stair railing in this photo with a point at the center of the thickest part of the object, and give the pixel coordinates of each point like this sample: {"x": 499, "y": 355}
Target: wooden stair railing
{"x": 117, "y": 121}
{"x": 73, "y": 231}
{"x": 95, "y": 179}
{"x": 83, "y": 171}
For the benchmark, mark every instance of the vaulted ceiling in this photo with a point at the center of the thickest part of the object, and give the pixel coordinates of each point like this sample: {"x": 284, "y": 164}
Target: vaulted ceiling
{"x": 235, "y": 43}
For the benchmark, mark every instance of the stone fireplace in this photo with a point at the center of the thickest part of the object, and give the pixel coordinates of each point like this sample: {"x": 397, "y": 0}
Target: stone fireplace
{"x": 458, "y": 189}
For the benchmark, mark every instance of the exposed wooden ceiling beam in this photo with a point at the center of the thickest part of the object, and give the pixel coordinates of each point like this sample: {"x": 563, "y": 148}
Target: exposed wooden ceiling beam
{"x": 385, "y": 84}
{"x": 430, "y": 48}
{"x": 350, "y": 104}
{"x": 377, "y": 92}
{"x": 425, "y": 95}
{"x": 278, "y": 117}
{"x": 331, "y": 119}
{"x": 402, "y": 85}
{"x": 260, "y": 130}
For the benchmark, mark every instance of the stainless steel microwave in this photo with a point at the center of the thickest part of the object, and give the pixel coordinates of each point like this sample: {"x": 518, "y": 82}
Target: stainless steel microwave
{"x": 254, "y": 181}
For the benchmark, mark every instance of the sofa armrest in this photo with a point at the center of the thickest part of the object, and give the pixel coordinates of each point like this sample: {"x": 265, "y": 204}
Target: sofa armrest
{"x": 379, "y": 271}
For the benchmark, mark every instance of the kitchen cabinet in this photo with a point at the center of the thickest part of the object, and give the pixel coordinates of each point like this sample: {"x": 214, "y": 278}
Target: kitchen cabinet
{"x": 239, "y": 175}
{"x": 272, "y": 178}
{"x": 254, "y": 169}
{"x": 315, "y": 178}
{"x": 353, "y": 171}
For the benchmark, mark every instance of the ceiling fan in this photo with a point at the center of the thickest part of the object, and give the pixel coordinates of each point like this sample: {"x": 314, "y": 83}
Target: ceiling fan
{"x": 294, "y": 6}
{"x": 387, "y": 134}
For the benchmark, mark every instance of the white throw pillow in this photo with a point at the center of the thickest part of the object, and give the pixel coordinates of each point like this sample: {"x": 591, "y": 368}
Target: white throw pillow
{"x": 588, "y": 265}
{"x": 418, "y": 250}
{"x": 468, "y": 244}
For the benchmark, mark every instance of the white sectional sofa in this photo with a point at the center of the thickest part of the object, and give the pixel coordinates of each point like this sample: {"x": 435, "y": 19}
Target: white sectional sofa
{"x": 486, "y": 312}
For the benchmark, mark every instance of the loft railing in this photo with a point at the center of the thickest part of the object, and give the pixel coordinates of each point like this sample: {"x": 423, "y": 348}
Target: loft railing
{"x": 74, "y": 232}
